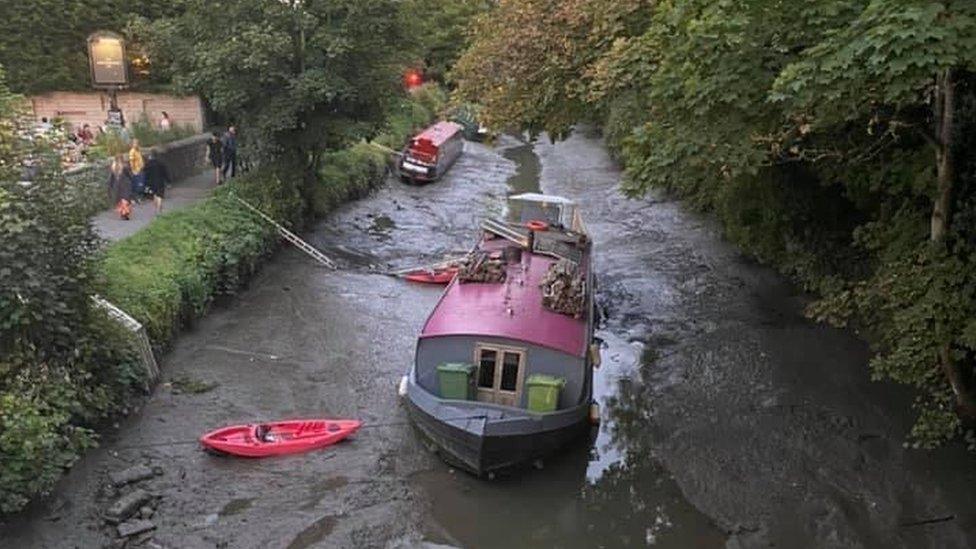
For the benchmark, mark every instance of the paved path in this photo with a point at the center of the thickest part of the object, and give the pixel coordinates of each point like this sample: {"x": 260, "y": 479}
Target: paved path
{"x": 182, "y": 193}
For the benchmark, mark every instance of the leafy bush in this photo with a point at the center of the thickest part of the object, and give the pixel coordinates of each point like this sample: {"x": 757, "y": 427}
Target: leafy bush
{"x": 150, "y": 135}
{"x": 37, "y": 442}
{"x": 107, "y": 145}
{"x": 430, "y": 97}
{"x": 114, "y": 142}
{"x": 168, "y": 273}
{"x": 412, "y": 114}
{"x": 63, "y": 365}
{"x": 347, "y": 175}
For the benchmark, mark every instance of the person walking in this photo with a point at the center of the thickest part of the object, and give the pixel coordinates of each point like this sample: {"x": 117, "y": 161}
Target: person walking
{"x": 164, "y": 122}
{"x": 216, "y": 156}
{"x": 157, "y": 179}
{"x": 120, "y": 186}
{"x": 229, "y": 147}
{"x": 136, "y": 165}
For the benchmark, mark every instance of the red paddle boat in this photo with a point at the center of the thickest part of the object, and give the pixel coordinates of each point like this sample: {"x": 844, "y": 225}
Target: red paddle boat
{"x": 279, "y": 437}
{"x": 432, "y": 276}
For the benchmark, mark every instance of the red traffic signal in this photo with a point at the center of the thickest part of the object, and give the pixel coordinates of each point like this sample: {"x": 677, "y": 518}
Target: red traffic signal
{"x": 412, "y": 78}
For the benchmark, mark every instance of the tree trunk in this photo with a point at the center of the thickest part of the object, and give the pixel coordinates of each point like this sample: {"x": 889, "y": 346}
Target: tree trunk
{"x": 944, "y": 121}
{"x": 941, "y": 217}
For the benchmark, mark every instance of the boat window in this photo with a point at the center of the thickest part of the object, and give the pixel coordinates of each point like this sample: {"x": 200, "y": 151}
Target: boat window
{"x": 510, "y": 371}
{"x": 486, "y": 370}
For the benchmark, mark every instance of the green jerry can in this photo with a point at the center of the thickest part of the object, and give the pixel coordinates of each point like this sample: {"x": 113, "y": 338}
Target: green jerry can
{"x": 544, "y": 392}
{"x": 456, "y": 380}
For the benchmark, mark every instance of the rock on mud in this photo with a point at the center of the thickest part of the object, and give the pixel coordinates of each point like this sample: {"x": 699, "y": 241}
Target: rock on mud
{"x": 130, "y": 475}
{"x": 127, "y": 505}
{"x": 134, "y": 527}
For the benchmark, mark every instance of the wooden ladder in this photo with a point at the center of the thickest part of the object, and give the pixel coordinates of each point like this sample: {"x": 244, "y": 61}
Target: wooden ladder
{"x": 312, "y": 251}
{"x": 503, "y": 230}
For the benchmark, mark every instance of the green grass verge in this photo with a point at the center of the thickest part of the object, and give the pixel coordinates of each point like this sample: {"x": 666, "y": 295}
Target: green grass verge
{"x": 169, "y": 273}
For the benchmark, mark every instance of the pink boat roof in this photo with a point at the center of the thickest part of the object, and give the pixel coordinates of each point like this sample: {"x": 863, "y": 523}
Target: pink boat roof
{"x": 482, "y": 309}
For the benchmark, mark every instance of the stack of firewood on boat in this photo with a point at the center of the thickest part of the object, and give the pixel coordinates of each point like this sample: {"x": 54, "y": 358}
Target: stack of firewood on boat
{"x": 481, "y": 267}
{"x": 563, "y": 289}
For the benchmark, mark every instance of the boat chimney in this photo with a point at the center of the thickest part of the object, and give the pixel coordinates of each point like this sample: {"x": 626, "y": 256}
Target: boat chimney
{"x": 513, "y": 254}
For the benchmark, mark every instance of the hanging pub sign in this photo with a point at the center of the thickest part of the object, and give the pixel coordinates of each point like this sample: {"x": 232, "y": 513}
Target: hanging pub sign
{"x": 106, "y": 54}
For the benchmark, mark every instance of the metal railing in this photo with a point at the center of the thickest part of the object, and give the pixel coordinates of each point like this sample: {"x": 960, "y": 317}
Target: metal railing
{"x": 142, "y": 344}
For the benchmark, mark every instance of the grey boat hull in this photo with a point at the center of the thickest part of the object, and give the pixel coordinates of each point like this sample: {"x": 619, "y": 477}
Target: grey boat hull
{"x": 483, "y": 438}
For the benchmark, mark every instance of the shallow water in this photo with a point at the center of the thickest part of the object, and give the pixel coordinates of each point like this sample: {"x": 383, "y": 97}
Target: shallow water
{"x": 728, "y": 419}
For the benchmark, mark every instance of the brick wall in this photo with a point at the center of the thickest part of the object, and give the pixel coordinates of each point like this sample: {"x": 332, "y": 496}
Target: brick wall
{"x": 92, "y": 107}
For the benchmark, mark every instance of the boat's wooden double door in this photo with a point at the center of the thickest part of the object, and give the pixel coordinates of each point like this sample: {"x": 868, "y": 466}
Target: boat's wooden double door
{"x": 500, "y": 373}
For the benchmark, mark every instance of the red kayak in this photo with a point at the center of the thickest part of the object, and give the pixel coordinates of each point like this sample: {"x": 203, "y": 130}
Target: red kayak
{"x": 432, "y": 276}
{"x": 279, "y": 437}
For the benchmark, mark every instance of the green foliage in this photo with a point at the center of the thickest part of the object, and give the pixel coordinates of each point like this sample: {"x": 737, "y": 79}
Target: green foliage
{"x": 107, "y": 145}
{"x": 530, "y": 61}
{"x": 438, "y": 29}
{"x": 411, "y": 114}
{"x": 346, "y": 175}
{"x": 884, "y": 57}
{"x": 298, "y": 77}
{"x": 169, "y": 273}
{"x": 43, "y": 43}
{"x": 150, "y": 135}
{"x": 37, "y": 442}
{"x": 63, "y": 364}
{"x": 807, "y": 128}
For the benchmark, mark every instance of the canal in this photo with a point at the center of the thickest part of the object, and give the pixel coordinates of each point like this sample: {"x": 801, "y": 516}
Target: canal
{"x": 728, "y": 419}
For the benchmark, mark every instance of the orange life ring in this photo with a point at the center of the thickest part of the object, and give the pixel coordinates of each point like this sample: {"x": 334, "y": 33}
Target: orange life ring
{"x": 536, "y": 225}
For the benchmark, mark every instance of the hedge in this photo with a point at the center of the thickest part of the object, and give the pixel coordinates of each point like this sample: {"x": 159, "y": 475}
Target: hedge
{"x": 169, "y": 273}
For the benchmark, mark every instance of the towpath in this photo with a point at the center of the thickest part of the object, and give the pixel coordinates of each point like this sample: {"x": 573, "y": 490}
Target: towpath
{"x": 181, "y": 193}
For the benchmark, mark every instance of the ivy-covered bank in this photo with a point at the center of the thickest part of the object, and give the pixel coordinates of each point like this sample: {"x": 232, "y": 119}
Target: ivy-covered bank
{"x": 55, "y": 394}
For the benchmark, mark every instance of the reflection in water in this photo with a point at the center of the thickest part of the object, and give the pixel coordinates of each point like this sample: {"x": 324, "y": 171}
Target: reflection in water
{"x": 526, "y": 177}
{"x": 611, "y": 494}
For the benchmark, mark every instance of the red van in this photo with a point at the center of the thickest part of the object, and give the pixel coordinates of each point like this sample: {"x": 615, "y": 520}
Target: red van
{"x": 431, "y": 152}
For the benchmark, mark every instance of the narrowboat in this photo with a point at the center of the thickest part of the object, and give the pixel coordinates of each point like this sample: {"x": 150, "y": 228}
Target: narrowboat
{"x": 431, "y": 152}
{"x": 503, "y": 371}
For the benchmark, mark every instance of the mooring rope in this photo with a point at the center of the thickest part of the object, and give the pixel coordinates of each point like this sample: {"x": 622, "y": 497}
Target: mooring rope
{"x": 181, "y": 442}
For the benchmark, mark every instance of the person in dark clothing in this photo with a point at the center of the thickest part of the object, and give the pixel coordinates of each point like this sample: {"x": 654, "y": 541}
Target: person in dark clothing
{"x": 216, "y": 155}
{"x": 229, "y": 147}
{"x": 120, "y": 186}
{"x": 157, "y": 179}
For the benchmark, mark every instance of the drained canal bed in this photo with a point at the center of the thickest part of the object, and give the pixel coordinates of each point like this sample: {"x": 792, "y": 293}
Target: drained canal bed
{"x": 729, "y": 420}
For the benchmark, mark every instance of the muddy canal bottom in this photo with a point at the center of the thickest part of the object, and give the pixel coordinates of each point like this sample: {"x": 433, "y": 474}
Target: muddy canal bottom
{"x": 728, "y": 420}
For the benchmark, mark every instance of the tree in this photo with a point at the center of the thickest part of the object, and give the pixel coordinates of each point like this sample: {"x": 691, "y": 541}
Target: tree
{"x": 896, "y": 64}
{"x": 891, "y": 58}
{"x": 63, "y": 365}
{"x": 779, "y": 116}
{"x": 439, "y": 31}
{"x": 299, "y": 76}
{"x": 529, "y": 61}
{"x": 56, "y": 58}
